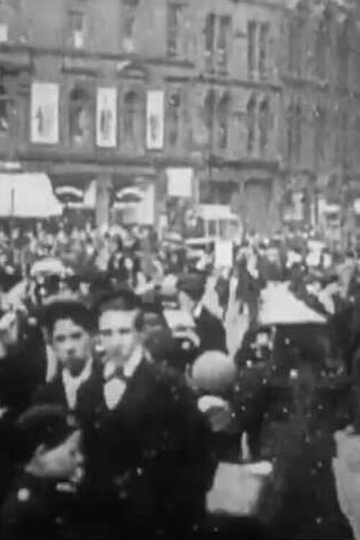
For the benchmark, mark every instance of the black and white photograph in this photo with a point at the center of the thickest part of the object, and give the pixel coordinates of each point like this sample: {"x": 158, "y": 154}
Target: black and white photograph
{"x": 180, "y": 269}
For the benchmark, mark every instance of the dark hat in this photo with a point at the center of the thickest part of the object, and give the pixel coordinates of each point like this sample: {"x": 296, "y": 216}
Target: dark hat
{"x": 66, "y": 307}
{"x": 193, "y": 284}
{"x": 123, "y": 298}
{"x": 48, "y": 425}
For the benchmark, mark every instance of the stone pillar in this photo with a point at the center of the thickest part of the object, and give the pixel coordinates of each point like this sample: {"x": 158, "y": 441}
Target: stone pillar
{"x": 103, "y": 189}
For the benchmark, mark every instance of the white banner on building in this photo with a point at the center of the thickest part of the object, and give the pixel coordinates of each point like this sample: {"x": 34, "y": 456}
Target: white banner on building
{"x": 106, "y": 117}
{"x": 180, "y": 182}
{"x": 44, "y": 113}
{"x": 155, "y": 120}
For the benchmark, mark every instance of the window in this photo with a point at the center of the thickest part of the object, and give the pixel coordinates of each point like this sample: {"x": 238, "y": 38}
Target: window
{"x": 357, "y": 139}
{"x": 174, "y": 12}
{"x": 343, "y": 138}
{"x": 251, "y": 43}
{"x": 294, "y": 48}
{"x": 209, "y": 109}
{"x": 264, "y": 126}
{"x": 223, "y": 121}
{"x": 343, "y": 50}
{"x": 131, "y": 118}
{"x": 224, "y": 37}
{"x": 289, "y": 132}
{"x": 320, "y": 134}
{"x": 129, "y": 8}
{"x": 263, "y": 49}
{"x": 80, "y": 117}
{"x": 209, "y": 40}
{"x": 251, "y": 125}
{"x": 297, "y": 132}
{"x": 77, "y": 29}
{"x": 321, "y": 46}
{"x": 174, "y": 118}
{"x": 210, "y": 33}
{"x": 4, "y": 110}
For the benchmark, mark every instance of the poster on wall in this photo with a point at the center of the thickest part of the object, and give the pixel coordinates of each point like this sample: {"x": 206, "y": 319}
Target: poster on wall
{"x": 106, "y": 117}
{"x": 155, "y": 120}
{"x": 44, "y": 113}
{"x": 180, "y": 182}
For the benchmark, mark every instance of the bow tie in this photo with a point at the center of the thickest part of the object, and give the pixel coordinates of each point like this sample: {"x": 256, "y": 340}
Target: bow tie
{"x": 116, "y": 373}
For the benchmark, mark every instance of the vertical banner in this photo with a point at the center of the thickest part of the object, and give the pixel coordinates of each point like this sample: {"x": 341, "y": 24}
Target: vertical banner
{"x": 155, "y": 120}
{"x": 44, "y": 113}
{"x": 106, "y": 117}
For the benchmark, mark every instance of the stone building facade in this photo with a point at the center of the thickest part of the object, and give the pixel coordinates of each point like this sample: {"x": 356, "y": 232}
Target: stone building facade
{"x": 320, "y": 71}
{"x": 235, "y": 102}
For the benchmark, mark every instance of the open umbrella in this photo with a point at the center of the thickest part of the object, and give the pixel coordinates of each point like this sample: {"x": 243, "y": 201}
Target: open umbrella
{"x": 129, "y": 195}
{"x": 69, "y": 194}
{"x": 48, "y": 266}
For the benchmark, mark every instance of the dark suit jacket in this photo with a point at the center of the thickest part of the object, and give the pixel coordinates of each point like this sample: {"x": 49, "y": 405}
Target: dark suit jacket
{"x": 151, "y": 460}
{"x": 21, "y": 372}
{"x": 211, "y": 332}
{"x": 88, "y": 397}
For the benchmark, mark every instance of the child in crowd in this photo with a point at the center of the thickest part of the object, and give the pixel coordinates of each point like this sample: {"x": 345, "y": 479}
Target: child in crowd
{"x": 41, "y": 501}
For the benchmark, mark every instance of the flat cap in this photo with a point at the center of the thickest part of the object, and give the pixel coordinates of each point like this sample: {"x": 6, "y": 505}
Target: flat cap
{"x": 193, "y": 284}
{"x": 123, "y": 298}
{"x": 66, "y": 306}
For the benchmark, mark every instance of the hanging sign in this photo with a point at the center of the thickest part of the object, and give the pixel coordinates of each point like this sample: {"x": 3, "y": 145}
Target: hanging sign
{"x": 155, "y": 120}
{"x": 44, "y": 113}
{"x": 106, "y": 117}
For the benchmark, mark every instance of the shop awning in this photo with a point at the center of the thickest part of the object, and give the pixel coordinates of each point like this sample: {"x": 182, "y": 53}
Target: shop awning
{"x": 27, "y": 195}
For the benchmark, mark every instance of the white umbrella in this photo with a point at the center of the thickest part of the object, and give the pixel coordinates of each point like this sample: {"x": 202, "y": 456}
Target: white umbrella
{"x": 130, "y": 195}
{"x": 48, "y": 266}
{"x": 279, "y": 306}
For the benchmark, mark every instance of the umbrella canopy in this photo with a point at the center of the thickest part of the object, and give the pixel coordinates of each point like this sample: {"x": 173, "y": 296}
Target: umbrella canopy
{"x": 280, "y": 307}
{"x": 48, "y": 266}
{"x": 129, "y": 195}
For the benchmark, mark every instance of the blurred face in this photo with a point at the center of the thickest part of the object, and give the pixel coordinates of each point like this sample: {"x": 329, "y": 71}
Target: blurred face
{"x": 64, "y": 462}
{"x": 185, "y": 302}
{"x": 72, "y": 345}
{"x": 118, "y": 335}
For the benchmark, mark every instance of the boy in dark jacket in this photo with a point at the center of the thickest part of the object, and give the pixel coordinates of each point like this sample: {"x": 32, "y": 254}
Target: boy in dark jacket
{"x": 39, "y": 502}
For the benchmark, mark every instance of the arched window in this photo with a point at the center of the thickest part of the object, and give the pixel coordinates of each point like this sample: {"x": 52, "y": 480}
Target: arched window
{"x": 81, "y": 118}
{"x": 223, "y": 111}
{"x": 264, "y": 126}
{"x": 4, "y": 110}
{"x": 251, "y": 124}
{"x": 130, "y": 111}
{"x": 319, "y": 134}
{"x": 173, "y": 120}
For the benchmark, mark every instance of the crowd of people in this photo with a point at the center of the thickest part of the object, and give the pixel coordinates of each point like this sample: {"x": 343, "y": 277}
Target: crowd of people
{"x": 113, "y": 425}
